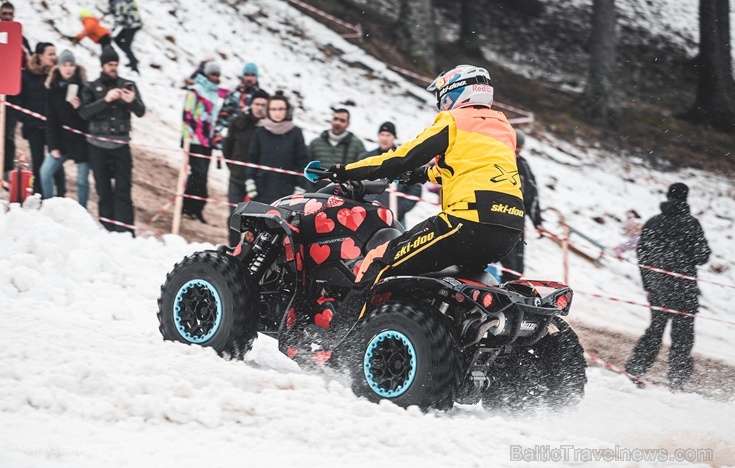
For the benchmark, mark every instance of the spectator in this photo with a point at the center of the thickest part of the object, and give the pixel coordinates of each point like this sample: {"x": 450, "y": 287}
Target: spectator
{"x": 237, "y": 101}
{"x": 107, "y": 104}
{"x": 199, "y": 70}
{"x": 7, "y": 13}
{"x": 632, "y": 229}
{"x": 201, "y": 106}
{"x": 671, "y": 241}
{"x": 514, "y": 259}
{"x": 236, "y": 146}
{"x": 64, "y": 84}
{"x": 33, "y": 97}
{"x": 386, "y": 142}
{"x": 336, "y": 145}
{"x": 278, "y": 143}
{"x": 93, "y": 30}
{"x": 127, "y": 18}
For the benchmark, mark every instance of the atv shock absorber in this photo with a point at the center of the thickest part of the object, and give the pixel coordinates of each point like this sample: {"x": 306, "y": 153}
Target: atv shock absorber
{"x": 264, "y": 249}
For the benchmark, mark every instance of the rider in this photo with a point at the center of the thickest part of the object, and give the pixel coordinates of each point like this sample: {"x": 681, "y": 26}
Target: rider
{"x": 482, "y": 206}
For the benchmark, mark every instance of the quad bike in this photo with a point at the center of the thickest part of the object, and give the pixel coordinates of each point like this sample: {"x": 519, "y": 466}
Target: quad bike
{"x": 428, "y": 340}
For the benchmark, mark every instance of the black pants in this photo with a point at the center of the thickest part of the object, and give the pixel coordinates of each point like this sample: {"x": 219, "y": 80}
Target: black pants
{"x": 37, "y": 142}
{"x": 235, "y": 194}
{"x": 196, "y": 184}
{"x": 681, "y": 363}
{"x": 124, "y": 41}
{"x": 514, "y": 261}
{"x": 115, "y": 201}
{"x": 434, "y": 244}
{"x": 105, "y": 41}
{"x": 10, "y": 123}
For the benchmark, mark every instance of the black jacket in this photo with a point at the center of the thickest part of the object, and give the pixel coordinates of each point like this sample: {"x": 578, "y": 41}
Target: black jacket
{"x": 530, "y": 191}
{"x": 237, "y": 143}
{"x": 32, "y": 95}
{"x": 109, "y": 119}
{"x": 673, "y": 241}
{"x": 287, "y": 151}
{"x": 59, "y": 112}
{"x": 404, "y": 204}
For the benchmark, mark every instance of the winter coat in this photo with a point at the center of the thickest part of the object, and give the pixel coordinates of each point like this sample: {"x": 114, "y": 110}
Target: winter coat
{"x": 404, "y": 204}
{"x": 237, "y": 144}
{"x": 109, "y": 119}
{"x": 673, "y": 241}
{"x": 60, "y": 112}
{"x": 530, "y": 191}
{"x": 32, "y": 95}
{"x": 234, "y": 104}
{"x": 93, "y": 29}
{"x": 286, "y": 151}
{"x": 347, "y": 150}
{"x": 201, "y": 106}
{"x": 126, "y": 14}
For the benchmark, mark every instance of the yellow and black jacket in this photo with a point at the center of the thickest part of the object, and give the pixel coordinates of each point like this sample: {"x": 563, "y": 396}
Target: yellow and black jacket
{"x": 475, "y": 163}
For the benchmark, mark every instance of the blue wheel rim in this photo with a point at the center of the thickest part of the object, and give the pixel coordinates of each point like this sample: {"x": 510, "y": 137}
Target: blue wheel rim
{"x": 390, "y": 364}
{"x": 197, "y": 311}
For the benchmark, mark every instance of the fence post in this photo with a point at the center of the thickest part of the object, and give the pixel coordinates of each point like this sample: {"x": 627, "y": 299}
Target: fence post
{"x": 180, "y": 187}
{"x": 2, "y": 141}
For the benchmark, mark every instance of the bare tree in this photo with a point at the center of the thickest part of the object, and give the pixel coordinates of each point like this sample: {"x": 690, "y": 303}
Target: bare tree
{"x": 715, "y": 101}
{"x": 469, "y": 34}
{"x": 599, "y": 103}
{"x": 416, "y": 32}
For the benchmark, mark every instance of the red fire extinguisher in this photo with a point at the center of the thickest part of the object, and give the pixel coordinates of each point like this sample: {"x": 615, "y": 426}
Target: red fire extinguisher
{"x": 21, "y": 182}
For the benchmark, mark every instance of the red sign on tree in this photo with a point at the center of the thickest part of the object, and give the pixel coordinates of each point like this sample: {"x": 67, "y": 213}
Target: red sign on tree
{"x": 11, "y": 53}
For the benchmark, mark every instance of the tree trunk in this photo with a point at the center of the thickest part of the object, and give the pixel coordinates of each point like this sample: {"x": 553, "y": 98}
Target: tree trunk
{"x": 715, "y": 101}
{"x": 599, "y": 103}
{"x": 417, "y": 33}
{"x": 469, "y": 34}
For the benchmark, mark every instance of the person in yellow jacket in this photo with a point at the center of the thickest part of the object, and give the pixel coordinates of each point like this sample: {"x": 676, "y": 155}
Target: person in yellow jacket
{"x": 92, "y": 29}
{"x": 482, "y": 204}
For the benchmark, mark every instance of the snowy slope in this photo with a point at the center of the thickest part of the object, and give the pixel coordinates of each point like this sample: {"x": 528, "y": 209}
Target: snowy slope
{"x": 86, "y": 381}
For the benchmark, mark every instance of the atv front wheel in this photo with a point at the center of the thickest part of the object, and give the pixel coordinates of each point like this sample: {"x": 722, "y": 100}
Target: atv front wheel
{"x": 551, "y": 373}
{"x": 404, "y": 353}
{"x": 208, "y": 300}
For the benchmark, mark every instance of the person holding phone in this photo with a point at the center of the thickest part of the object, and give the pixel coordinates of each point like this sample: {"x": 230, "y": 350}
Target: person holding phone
{"x": 107, "y": 105}
{"x": 62, "y": 101}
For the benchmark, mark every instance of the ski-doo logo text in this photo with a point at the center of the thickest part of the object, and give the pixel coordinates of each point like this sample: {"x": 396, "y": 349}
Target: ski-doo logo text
{"x": 503, "y": 208}
{"x": 414, "y": 245}
{"x": 453, "y": 86}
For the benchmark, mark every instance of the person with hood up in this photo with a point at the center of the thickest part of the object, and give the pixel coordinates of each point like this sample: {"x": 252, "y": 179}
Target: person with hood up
{"x": 672, "y": 241}
{"x": 64, "y": 84}
{"x": 92, "y": 29}
{"x": 201, "y": 107}
{"x": 277, "y": 143}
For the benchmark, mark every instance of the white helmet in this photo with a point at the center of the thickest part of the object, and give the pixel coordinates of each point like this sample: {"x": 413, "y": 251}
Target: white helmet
{"x": 462, "y": 86}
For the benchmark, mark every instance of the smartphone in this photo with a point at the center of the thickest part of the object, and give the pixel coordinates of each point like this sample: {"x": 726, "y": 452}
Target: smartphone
{"x": 71, "y": 91}
{"x": 129, "y": 86}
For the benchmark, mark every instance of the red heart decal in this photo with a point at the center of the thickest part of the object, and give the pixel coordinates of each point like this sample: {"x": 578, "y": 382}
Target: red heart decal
{"x": 335, "y": 202}
{"x": 274, "y": 212}
{"x": 312, "y": 206}
{"x": 349, "y": 251}
{"x": 322, "y": 223}
{"x": 351, "y": 219}
{"x": 295, "y": 200}
{"x": 386, "y": 215}
{"x": 323, "y": 319}
{"x": 319, "y": 253}
{"x": 290, "y": 318}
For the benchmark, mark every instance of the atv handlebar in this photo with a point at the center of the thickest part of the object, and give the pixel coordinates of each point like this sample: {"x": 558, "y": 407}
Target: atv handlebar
{"x": 353, "y": 189}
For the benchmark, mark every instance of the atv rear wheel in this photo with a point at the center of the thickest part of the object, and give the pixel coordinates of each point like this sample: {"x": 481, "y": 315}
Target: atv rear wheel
{"x": 404, "y": 353}
{"x": 551, "y": 373}
{"x": 208, "y": 300}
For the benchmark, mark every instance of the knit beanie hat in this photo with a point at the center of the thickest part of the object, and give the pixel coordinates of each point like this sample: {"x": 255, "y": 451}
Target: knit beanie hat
{"x": 388, "y": 127}
{"x": 678, "y": 191}
{"x": 85, "y": 13}
{"x": 259, "y": 93}
{"x": 109, "y": 55}
{"x": 211, "y": 67}
{"x": 250, "y": 67}
{"x": 66, "y": 57}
